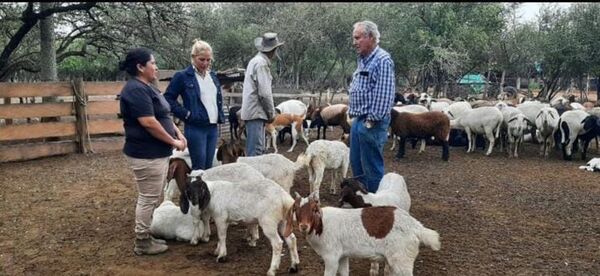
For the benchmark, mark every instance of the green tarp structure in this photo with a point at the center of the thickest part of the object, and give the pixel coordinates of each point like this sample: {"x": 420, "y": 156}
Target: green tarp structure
{"x": 475, "y": 81}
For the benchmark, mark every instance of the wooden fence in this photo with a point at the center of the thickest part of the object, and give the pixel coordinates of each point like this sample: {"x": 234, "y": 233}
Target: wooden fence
{"x": 88, "y": 118}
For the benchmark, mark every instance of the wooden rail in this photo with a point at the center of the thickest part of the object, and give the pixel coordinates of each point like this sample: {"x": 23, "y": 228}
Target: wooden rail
{"x": 88, "y": 118}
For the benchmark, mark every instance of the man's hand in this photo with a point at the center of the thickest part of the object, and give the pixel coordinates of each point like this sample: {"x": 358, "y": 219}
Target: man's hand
{"x": 271, "y": 120}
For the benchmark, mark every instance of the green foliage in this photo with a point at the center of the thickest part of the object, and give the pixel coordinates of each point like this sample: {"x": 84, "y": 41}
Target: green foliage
{"x": 431, "y": 43}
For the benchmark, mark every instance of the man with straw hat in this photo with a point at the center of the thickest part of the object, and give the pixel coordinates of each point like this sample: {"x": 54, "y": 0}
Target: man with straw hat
{"x": 257, "y": 98}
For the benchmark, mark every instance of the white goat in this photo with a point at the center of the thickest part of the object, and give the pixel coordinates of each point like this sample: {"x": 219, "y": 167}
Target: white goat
{"x": 546, "y": 123}
{"x": 378, "y": 233}
{"x": 261, "y": 201}
{"x": 295, "y": 107}
{"x": 321, "y": 155}
{"x": 482, "y": 120}
{"x": 168, "y": 222}
{"x": 392, "y": 191}
{"x": 233, "y": 172}
{"x": 275, "y": 167}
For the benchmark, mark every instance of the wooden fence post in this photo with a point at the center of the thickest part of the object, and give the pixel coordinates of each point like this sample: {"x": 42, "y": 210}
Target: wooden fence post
{"x": 80, "y": 102}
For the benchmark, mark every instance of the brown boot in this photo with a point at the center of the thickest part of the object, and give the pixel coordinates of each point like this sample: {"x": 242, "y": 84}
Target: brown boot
{"x": 147, "y": 247}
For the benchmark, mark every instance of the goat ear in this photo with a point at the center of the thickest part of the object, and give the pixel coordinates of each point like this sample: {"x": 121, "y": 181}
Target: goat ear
{"x": 314, "y": 196}
{"x": 289, "y": 222}
{"x": 184, "y": 204}
{"x": 363, "y": 190}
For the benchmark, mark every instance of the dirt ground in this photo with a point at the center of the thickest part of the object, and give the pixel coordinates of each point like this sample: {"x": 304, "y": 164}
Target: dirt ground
{"x": 74, "y": 215}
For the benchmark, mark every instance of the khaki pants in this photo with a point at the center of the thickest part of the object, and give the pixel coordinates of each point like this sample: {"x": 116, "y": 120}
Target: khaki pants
{"x": 150, "y": 176}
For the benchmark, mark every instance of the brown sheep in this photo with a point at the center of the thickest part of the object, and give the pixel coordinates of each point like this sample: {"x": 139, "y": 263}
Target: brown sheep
{"x": 421, "y": 125}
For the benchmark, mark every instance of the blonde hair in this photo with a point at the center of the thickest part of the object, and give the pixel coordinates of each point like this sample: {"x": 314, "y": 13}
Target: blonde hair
{"x": 199, "y": 47}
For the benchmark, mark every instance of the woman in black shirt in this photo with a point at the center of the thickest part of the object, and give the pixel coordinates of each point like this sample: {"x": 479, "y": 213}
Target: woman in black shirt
{"x": 150, "y": 136}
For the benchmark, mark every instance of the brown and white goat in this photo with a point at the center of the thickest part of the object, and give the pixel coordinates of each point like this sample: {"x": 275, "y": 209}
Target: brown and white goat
{"x": 263, "y": 202}
{"x": 228, "y": 152}
{"x": 421, "y": 125}
{"x": 378, "y": 233}
{"x": 333, "y": 115}
{"x": 283, "y": 120}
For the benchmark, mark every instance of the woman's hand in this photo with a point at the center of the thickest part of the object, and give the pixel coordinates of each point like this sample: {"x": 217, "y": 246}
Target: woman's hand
{"x": 182, "y": 138}
{"x": 180, "y": 145}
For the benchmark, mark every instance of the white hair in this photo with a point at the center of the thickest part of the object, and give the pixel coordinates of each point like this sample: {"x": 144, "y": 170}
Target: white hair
{"x": 369, "y": 28}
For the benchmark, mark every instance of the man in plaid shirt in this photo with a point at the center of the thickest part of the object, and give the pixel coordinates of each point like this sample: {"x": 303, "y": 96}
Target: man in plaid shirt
{"x": 371, "y": 99}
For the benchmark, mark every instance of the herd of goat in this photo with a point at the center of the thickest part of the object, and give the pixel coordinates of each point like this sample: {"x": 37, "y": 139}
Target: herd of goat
{"x": 378, "y": 226}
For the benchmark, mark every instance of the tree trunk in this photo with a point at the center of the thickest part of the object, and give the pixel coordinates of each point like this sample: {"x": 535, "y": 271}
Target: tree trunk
{"x": 48, "y": 52}
{"x": 47, "y": 55}
{"x": 501, "y": 88}
{"x": 587, "y": 86}
{"x": 486, "y": 85}
{"x": 297, "y": 77}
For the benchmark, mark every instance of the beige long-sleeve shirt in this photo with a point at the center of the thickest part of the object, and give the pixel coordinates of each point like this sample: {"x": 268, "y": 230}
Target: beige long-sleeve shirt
{"x": 257, "y": 96}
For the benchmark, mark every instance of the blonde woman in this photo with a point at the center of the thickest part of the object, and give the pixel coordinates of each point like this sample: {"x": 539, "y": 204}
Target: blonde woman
{"x": 202, "y": 107}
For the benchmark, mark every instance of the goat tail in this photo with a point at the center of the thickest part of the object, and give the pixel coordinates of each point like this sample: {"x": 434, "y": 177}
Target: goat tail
{"x": 564, "y": 131}
{"x": 430, "y": 238}
{"x": 498, "y": 129}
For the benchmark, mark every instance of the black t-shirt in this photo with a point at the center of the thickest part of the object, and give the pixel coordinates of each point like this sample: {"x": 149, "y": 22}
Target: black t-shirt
{"x": 141, "y": 100}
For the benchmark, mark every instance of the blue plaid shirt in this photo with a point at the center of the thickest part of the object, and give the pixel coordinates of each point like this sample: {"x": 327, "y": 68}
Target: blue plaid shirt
{"x": 373, "y": 86}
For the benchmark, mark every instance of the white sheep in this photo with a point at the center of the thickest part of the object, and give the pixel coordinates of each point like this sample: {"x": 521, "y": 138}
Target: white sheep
{"x": 321, "y": 155}
{"x": 546, "y": 123}
{"x": 482, "y": 120}
{"x": 170, "y": 223}
{"x": 577, "y": 125}
{"x": 377, "y": 233}
{"x": 516, "y": 125}
{"x": 592, "y": 166}
{"x": 263, "y": 202}
{"x": 456, "y": 110}
{"x": 274, "y": 166}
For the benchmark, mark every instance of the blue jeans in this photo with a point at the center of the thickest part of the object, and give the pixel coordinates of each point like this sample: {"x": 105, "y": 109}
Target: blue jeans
{"x": 255, "y": 137}
{"x": 202, "y": 143}
{"x": 366, "y": 151}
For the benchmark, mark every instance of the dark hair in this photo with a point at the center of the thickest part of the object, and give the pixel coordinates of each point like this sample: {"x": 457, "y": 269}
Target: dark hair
{"x": 134, "y": 57}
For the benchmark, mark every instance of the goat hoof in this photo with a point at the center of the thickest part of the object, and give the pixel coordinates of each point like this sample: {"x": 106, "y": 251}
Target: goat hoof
{"x": 194, "y": 242}
{"x": 221, "y": 259}
{"x": 252, "y": 243}
{"x": 293, "y": 269}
